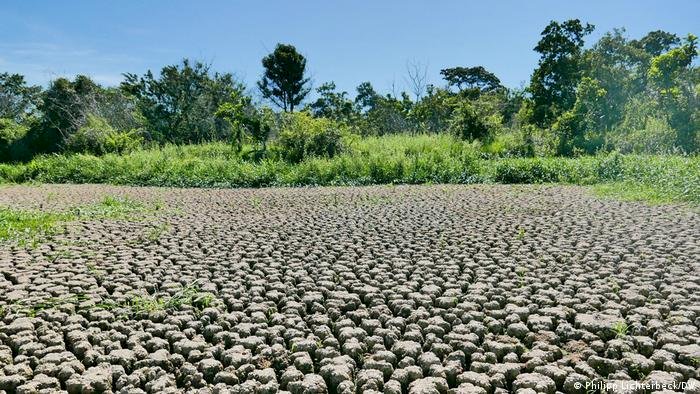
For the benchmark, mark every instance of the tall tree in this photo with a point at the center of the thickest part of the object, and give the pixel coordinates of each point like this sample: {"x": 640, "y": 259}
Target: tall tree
{"x": 284, "y": 81}
{"x": 382, "y": 114}
{"x": 617, "y": 66}
{"x": 67, "y": 103}
{"x": 667, "y": 67}
{"x": 366, "y": 98}
{"x": 671, "y": 74}
{"x": 553, "y": 84}
{"x": 65, "y": 106}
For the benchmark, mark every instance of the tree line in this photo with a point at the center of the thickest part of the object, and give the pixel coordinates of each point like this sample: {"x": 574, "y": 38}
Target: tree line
{"x": 631, "y": 95}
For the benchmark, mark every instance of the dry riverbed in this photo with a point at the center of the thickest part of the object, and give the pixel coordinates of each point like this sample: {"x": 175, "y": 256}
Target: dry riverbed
{"x": 418, "y": 289}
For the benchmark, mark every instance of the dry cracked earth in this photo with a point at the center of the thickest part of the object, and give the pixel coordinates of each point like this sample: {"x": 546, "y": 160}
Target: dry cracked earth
{"x": 407, "y": 289}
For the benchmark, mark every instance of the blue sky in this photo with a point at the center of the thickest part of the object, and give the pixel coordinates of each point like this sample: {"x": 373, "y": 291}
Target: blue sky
{"x": 347, "y": 42}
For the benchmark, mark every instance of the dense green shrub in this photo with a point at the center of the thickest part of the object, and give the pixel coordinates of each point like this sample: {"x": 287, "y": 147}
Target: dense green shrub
{"x": 535, "y": 170}
{"x": 10, "y": 134}
{"x": 123, "y": 141}
{"x": 581, "y": 129}
{"x": 433, "y": 112}
{"x": 468, "y": 125}
{"x": 98, "y": 137}
{"x": 246, "y": 120}
{"x": 303, "y": 136}
{"x": 654, "y": 135}
{"x": 470, "y": 122}
{"x": 611, "y": 167}
{"x": 512, "y": 143}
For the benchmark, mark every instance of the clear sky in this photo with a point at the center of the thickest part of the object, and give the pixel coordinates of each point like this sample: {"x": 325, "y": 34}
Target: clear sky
{"x": 348, "y": 42}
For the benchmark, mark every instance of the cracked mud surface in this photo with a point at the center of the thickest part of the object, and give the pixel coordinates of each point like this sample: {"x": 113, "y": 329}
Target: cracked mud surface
{"x": 418, "y": 289}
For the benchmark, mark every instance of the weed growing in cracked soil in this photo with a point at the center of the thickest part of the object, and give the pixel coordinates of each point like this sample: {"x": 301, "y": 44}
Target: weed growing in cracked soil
{"x": 620, "y": 329}
{"x": 113, "y": 207}
{"x": 155, "y": 233}
{"x": 28, "y": 227}
{"x": 189, "y": 296}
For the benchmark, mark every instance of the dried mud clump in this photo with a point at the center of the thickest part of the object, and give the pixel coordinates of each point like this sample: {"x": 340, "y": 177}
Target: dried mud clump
{"x": 416, "y": 289}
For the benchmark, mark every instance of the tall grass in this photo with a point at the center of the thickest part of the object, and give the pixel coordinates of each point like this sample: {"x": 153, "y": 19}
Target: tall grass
{"x": 371, "y": 160}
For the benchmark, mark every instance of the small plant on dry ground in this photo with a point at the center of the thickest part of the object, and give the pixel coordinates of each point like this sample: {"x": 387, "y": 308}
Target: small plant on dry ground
{"x": 190, "y": 295}
{"x": 620, "y": 329}
{"x": 28, "y": 227}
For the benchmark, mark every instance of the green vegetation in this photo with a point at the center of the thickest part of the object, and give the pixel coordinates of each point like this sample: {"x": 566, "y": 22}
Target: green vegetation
{"x": 630, "y": 191}
{"x": 620, "y": 329}
{"x": 618, "y": 94}
{"x": 156, "y": 232}
{"x": 284, "y": 81}
{"x": 696, "y": 361}
{"x": 189, "y": 295}
{"x": 614, "y": 286}
{"x": 28, "y": 227}
{"x": 110, "y": 207}
{"x": 50, "y": 303}
{"x": 622, "y": 114}
{"x": 370, "y": 160}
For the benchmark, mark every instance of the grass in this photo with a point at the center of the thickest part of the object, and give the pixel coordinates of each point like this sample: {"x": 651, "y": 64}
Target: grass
{"x": 631, "y": 191}
{"x": 190, "y": 295}
{"x": 396, "y": 159}
{"x": 615, "y": 287}
{"x": 110, "y": 207}
{"x": 28, "y": 227}
{"x": 31, "y": 310}
{"x": 696, "y": 361}
{"x": 155, "y": 233}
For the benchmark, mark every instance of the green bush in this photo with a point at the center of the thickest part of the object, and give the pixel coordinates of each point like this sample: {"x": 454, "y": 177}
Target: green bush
{"x": 303, "y": 136}
{"x": 611, "y": 167}
{"x": 654, "y": 136}
{"x": 469, "y": 123}
{"x": 536, "y": 170}
{"x": 11, "y": 135}
{"x": 513, "y": 143}
{"x": 123, "y": 141}
{"x": 97, "y": 137}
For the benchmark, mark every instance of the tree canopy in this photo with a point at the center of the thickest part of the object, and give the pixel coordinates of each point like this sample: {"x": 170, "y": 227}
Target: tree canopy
{"x": 180, "y": 103}
{"x": 17, "y": 99}
{"x": 617, "y": 93}
{"x": 553, "y": 84}
{"x": 284, "y": 81}
{"x": 473, "y": 79}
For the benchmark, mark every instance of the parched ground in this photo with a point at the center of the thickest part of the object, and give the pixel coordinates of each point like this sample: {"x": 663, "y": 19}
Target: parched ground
{"x": 419, "y": 289}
